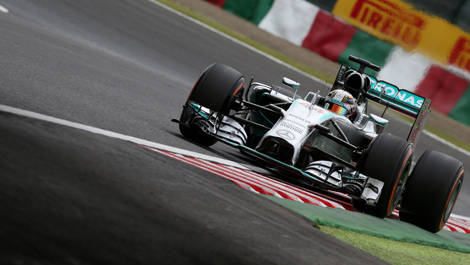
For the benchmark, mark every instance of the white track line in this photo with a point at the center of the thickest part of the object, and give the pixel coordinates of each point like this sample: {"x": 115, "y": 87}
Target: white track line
{"x": 460, "y": 217}
{"x": 111, "y": 134}
{"x": 4, "y": 9}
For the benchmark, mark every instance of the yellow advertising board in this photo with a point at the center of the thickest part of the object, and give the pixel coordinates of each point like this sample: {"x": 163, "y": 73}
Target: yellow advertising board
{"x": 460, "y": 55}
{"x": 416, "y": 31}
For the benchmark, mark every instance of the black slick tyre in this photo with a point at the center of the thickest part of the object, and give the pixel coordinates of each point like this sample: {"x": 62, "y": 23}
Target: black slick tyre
{"x": 217, "y": 87}
{"x": 216, "y": 90}
{"x": 388, "y": 159}
{"x": 432, "y": 190}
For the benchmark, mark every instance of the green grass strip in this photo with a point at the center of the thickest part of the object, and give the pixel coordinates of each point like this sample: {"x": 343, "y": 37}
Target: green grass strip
{"x": 387, "y": 228}
{"x": 395, "y": 252}
{"x": 443, "y": 135}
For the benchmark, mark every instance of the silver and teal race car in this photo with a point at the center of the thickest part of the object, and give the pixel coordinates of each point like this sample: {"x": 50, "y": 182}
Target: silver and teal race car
{"x": 329, "y": 142}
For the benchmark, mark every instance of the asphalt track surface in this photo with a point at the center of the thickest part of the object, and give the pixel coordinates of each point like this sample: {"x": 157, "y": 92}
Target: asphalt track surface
{"x": 127, "y": 66}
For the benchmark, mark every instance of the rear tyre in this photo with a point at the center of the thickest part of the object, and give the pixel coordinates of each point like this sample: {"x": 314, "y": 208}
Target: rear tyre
{"x": 389, "y": 160}
{"x": 432, "y": 190}
{"x": 216, "y": 90}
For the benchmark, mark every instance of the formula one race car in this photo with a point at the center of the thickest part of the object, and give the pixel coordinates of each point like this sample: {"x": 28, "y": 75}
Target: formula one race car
{"x": 329, "y": 142}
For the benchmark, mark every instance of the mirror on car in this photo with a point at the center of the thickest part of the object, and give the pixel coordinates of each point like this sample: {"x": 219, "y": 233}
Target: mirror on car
{"x": 312, "y": 97}
{"x": 289, "y": 82}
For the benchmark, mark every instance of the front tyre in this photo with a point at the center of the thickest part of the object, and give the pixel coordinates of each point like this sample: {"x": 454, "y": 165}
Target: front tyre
{"x": 215, "y": 90}
{"x": 388, "y": 160}
{"x": 432, "y": 190}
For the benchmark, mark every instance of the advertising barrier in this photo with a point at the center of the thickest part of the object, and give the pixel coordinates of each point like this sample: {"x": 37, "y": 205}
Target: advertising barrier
{"x": 398, "y": 22}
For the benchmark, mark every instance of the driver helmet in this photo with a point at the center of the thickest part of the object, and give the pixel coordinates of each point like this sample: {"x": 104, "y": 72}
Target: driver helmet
{"x": 341, "y": 102}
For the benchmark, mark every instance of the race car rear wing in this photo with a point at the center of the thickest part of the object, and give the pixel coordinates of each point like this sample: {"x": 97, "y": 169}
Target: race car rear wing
{"x": 399, "y": 99}
{"x": 402, "y": 101}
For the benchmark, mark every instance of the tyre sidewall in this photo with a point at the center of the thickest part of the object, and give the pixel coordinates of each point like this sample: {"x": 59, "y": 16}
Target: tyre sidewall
{"x": 388, "y": 160}
{"x": 428, "y": 190}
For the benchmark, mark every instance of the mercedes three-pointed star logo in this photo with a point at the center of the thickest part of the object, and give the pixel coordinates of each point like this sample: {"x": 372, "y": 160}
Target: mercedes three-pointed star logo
{"x": 286, "y": 134}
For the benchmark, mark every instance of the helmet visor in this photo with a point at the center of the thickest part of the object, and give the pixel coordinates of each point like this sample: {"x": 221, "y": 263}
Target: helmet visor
{"x": 338, "y": 109}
